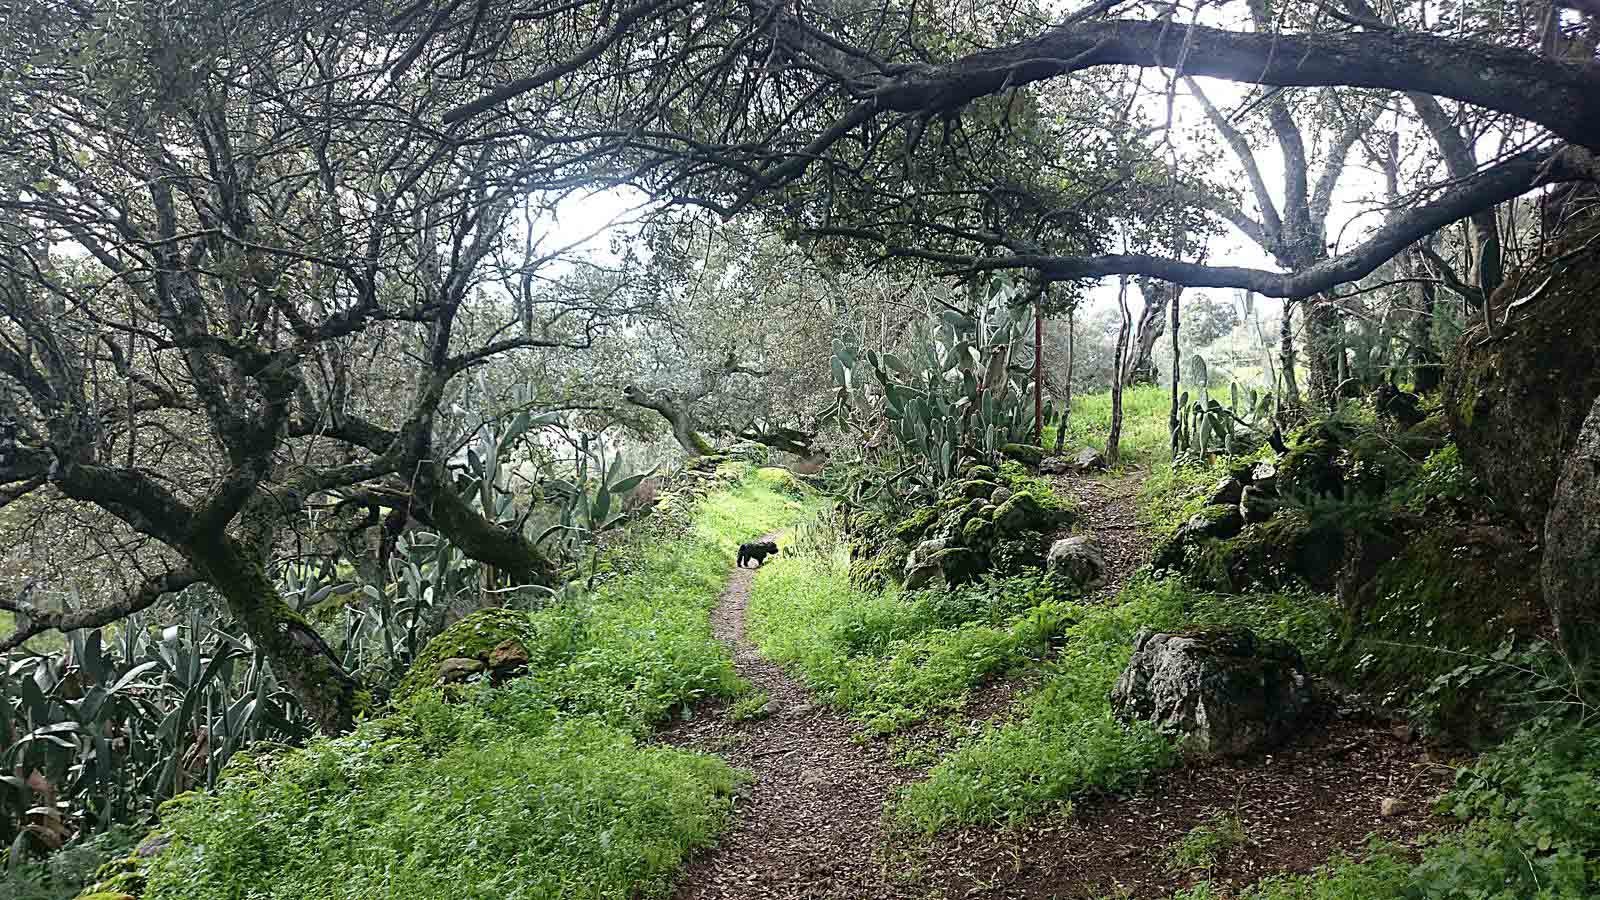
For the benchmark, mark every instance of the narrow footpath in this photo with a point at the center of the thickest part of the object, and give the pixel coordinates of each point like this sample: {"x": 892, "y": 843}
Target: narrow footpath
{"x": 809, "y": 821}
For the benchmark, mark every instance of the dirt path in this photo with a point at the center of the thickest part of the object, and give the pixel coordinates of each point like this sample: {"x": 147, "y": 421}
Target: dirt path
{"x": 808, "y": 823}
{"x": 1108, "y": 508}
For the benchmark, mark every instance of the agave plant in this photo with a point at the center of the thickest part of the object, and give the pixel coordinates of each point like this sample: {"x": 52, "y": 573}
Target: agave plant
{"x": 100, "y": 732}
{"x": 590, "y": 502}
{"x": 1206, "y": 427}
{"x": 958, "y": 392}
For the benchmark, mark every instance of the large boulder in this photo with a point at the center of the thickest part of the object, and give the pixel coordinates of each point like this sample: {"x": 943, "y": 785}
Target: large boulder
{"x": 1571, "y": 569}
{"x": 1077, "y": 560}
{"x": 1517, "y": 402}
{"x": 1218, "y": 691}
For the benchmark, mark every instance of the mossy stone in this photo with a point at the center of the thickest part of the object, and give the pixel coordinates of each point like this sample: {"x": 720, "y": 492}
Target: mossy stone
{"x": 1023, "y": 512}
{"x": 975, "y": 489}
{"x": 474, "y": 637}
{"x": 1027, "y": 454}
{"x": 915, "y": 525}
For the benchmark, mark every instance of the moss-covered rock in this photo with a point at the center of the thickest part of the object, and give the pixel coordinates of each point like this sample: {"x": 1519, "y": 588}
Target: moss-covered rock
{"x": 1027, "y": 454}
{"x": 958, "y": 564}
{"x": 1210, "y": 523}
{"x": 781, "y": 481}
{"x": 977, "y": 533}
{"x": 1023, "y": 512}
{"x": 877, "y": 570}
{"x": 980, "y": 473}
{"x": 475, "y": 637}
{"x": 1451, "y": 589}
{"x": 1282, "y": 553}
{"x": 1517, "y": 402}
{"x": 917, "y": 524}
{"x": 976, "y": 489}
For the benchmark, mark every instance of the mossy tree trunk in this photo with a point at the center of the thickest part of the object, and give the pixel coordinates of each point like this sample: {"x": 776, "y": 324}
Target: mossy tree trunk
{"x": 299, "y": 656}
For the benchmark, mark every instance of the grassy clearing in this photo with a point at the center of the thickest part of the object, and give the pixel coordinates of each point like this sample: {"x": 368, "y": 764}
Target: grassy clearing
{"x": 537, "y": 790}
{"x": 892, "y": 658}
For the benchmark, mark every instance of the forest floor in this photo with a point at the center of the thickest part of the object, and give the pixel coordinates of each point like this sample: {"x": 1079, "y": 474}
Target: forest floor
{"x": 810, "y": 824}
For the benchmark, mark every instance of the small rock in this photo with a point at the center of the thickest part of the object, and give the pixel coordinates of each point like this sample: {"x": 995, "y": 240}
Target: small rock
{"x": 1001, "y": 494}
{"x": 1088, "y": 460}
{"x": 1256, "y": 504}
{"x": 1077, "y": 559}
{"x": 1393, "y": 806}
{"x": 508, "y": 655}
{"x": 153, "y": 844}
{"x": 1226, "y": 492}
{"x": 801, "y": 710}
{"x": 1055, "y": 465}
{"x": 1265, "y": 476}
{"x": 458, "y": 668}
{"x": 1405, "y": 734}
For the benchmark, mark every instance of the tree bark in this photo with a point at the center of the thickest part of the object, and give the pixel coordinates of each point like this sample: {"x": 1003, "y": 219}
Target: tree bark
{"x": 435, "y": 503}
{"x": 1158, "y": 296}
{"x": 1114, "y": 439}
{"x": 676, "y": 414}
{"x": 1427, "y": 372}
{"x": 1323, "y": 339}
{"x": 1289, "y": 405}
{"x": 1066, "y": 400}
{"x": 1571, "y": 566}
{"x": 299, "y": 656}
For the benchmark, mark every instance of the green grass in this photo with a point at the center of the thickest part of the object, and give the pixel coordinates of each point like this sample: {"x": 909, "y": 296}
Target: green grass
{"x": 1069, "y": 743}
{"x": 540, "y": 789}
{"x": 1205, "y": 844}
{"x": 1146, "y": 436}
{"x": 892, "y": 658}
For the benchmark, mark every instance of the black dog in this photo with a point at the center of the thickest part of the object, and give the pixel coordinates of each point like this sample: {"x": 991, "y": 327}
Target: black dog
{"x": 758, "y": 551}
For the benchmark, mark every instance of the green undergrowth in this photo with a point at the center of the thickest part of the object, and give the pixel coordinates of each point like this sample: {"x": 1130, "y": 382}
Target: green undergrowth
{"x": 889, "y": 657}
{"x": 1146, "y": 435}
{"x": 539, "y": 789}
{"x": 1068, "y": 743}
{"x": 1532, "y": 814}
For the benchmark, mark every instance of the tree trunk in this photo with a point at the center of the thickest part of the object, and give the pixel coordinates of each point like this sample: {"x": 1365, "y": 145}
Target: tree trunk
{"x": 1322, "y": 353}
{"x": 1289, "y": 404}
{"x": 1177, "y": 357}
{"x": 299, "y": 656}
{"x": 1114, "y": 439}
{"x": 1427, "y": 374}
{"x": 676, "y": 414}
{"x": 1571, "y": 565}
{"x": 1158, "y": 295}
{"x": 1066, "y": 400}
{"x": 1038, "y": 371}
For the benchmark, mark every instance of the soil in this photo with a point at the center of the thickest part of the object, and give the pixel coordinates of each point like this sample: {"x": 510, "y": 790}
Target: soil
{"x": 809, "y": 823}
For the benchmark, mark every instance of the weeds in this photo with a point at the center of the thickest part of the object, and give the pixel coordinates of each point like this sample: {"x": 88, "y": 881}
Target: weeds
{"x": 893, "y": 658}
{"x": 1205, "y": 844}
